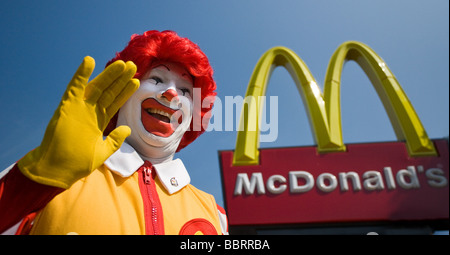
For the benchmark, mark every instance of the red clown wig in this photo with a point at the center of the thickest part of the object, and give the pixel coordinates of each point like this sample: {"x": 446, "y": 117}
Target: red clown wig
{"x": 154, "y": 47}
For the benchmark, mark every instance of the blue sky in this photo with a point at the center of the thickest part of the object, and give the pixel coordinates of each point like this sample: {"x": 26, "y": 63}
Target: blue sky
{"x": 43, "y": 42}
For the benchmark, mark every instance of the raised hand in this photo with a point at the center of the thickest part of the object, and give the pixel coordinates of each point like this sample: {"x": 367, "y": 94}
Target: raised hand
{"x": 73, "y": 144}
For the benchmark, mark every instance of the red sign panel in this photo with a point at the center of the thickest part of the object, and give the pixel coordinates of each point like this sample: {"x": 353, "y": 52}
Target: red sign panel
{"x": 368, "y": 182}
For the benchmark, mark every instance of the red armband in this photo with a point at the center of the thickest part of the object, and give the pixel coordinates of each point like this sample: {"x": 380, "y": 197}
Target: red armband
{"x": 20, "y": 197}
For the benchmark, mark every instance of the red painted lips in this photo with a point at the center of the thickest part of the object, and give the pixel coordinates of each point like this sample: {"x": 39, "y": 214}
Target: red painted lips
{"x": 156, "y": 118}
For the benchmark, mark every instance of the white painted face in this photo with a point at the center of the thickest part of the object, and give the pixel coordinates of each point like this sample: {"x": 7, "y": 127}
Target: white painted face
{"x": 159, "y": 112}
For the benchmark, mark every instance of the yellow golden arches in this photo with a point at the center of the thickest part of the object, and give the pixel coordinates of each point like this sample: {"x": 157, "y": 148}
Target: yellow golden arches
{"x": 404, "y": 119}
{"x": 324, "y": 110}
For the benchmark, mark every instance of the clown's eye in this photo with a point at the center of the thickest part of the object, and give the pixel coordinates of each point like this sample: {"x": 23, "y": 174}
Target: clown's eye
{"x": 184, "y": 91}
{"x": 156, "y": 79}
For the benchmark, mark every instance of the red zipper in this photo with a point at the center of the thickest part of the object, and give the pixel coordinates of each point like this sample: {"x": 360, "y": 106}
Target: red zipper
{"x": 154, "y": 223}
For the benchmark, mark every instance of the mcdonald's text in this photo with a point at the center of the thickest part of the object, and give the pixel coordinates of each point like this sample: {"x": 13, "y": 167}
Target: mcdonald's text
{"x": 370, "y": 180}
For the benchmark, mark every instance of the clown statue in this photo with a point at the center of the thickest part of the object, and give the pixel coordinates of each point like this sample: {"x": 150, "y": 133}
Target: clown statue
{"x": 106, "y": 163}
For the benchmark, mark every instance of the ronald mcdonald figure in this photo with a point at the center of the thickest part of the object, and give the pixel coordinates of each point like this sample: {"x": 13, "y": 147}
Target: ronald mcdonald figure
{"x": 106, "y": 162}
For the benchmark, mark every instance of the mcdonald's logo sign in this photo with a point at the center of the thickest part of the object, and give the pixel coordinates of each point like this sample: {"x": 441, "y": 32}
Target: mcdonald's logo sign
{"x": 332, "y": 181}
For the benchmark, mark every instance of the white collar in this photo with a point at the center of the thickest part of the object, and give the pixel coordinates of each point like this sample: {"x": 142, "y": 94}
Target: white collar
{"x": 125, "y": 161}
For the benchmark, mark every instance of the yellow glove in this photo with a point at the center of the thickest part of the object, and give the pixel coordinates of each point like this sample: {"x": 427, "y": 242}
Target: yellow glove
{"x": 73, "y": 144}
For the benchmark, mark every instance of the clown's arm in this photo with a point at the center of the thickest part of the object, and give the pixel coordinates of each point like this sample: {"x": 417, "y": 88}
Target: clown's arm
{"x": 73, "y": 144}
